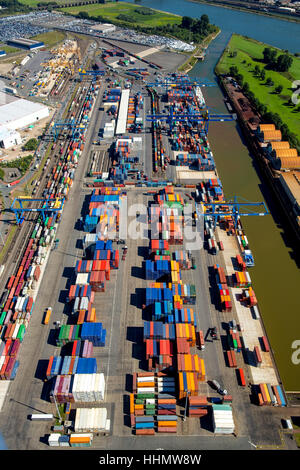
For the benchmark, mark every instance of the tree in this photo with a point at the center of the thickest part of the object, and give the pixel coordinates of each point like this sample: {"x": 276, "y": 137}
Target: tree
{"x": 246, "y": 87}
{"x": 239, "y": 78}
{"x": 204, "y": 20}
{"x": 83, "y": 14}
{"x": 31, "y": 144}
{"x": 186, "y": 22}
{"x": 256, "y": 70}
{"x": 262, "y": 74}
{"x": 279, "y": 89}
{"x": 233, "y": 71}
{"x": 269, "y": 56}
{"x": 269, "y": 82}
{"x": 283, "y": 63}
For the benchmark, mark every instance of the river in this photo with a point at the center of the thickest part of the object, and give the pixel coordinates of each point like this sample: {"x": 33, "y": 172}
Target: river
{"x": 276, "y": 275}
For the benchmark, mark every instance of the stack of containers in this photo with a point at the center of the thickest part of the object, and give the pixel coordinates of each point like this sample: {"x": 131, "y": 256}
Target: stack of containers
{"x": 223, "y": 422}
{"x": 68, "y": 333}
{"x": 81, "y": 440}
{"x": 90, "y": 420}
{"x": 78, "y": 388}
{"x": 197, "y": 406}
{"x": 162, "y": 310}
{"x": 241, "y": 279}
{"x": 188, "y": 384}
{"x": 94, "y": 332}
{"x": 191, "y": 363}
{"x": 233, "y": 340}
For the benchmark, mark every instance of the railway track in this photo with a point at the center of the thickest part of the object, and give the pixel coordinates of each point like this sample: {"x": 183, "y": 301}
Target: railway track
{"x": 22, "y": 235}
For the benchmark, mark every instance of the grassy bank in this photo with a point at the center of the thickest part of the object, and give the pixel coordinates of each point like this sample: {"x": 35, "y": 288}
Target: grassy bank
{"x": 134, "y": 15}
{"x": 200, "y": 48}
{"x": 51, "y": 38}
{"x": 246, "y": 54}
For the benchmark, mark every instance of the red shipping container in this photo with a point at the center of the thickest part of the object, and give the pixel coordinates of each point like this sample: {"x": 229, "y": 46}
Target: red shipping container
{"x": 29, "y": 304}
{"x": 242, "y": 377}
{"x": 266, "y": 344}
{"x": 37, "y": 273}
{"x": 2, "y": 371}
{"x": 257, "y": 355}
{"x": 48, "y": 371}
{"x": 10, "y": 282}
{"x": 9, "y": 367}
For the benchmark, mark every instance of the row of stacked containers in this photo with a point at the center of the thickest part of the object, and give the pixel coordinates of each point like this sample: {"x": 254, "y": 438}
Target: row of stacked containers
{"x": 175, "y": 371}
{"x": 18, "y": 301}
{"x": 91, "y": 276}
{"x": 188, "y": 137}
{"x": 75, "y": 374}
{"x": 209, "y": 192}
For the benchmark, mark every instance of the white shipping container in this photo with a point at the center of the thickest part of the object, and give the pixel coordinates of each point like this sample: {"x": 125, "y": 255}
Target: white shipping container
{"x": 146, "y": 390}
{"x": 53, "y": 440}
{"x": 2, "y": 359}
{"x": 14, "y": 336}
{"x": 145, "y": 379}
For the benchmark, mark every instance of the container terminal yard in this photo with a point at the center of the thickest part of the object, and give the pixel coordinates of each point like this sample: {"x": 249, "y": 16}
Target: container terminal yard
{"x": 128, "y": 317}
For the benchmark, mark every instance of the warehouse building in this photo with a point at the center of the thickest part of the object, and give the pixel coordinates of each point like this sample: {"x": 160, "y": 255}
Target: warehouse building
{"x": 18, "y": 113}
{"x": 291, "y": 184}
{"x": 24, "y": 43}
{"x": 104, "y": 28}
{"x": 123, "y": 110}
{"x": 9, "y": 138}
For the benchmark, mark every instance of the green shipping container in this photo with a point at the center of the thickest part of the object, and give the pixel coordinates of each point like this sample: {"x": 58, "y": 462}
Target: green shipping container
{"x": 3, "y": 315}
{"x": 21, "y": 333}
{"x": 145, "y": 395}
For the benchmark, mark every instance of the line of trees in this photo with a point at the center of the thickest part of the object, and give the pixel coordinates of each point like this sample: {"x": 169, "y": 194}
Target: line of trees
{"x": 190, "y": 29}
{"x": 262, "y": 109}
{"x": 13, "y": 6}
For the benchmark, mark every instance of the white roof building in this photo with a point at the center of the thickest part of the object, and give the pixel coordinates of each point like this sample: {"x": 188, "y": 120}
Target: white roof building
{"x": 9, "y": 137}
{"x": 21, "y": 113}
{"x": 123, "y": 111}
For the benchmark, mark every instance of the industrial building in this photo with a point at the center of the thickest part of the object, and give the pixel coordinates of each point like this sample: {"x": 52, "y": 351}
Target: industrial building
{"x": 9, "y": 138}
{"x": 104, "y": 28}
{"x": 290, "y": 182}
{"x": 24, "y": 43}
{"x": 18, "y": 113}
{"x": 123, "y": 110}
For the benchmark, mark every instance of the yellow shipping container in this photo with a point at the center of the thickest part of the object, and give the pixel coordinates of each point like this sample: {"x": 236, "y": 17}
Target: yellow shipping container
{"x": 169, "y": 424}
{"x": 267, "y": 393}
{"x": 202, "y": 370}
{"x": 138, "y": 407}
{"x": 131, "y": 399}
{"x": 181, "y": 381}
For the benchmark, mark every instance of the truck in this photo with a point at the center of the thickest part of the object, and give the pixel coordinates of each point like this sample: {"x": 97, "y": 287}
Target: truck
{"x": 41, "y": 417}
{"x": 47, "y": 315}
{"x": 219, "y": 388}
{"x": 248, "y": 258}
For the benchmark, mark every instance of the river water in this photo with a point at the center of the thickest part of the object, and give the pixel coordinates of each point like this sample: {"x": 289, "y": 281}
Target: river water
{"x": 276, "y": 275}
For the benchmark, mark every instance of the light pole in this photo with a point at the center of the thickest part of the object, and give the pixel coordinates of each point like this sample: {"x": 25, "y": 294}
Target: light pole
{"x": 186, "y": 402}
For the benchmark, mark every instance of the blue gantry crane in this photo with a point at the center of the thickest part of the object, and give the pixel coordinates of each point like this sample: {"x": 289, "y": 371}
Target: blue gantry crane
{"x": 205, "y": 117}
{"x": 48, "y": 206}
{"x": 91, "y": 73}
{"x": 181, "y": 82}
{"x": 72, "y": 124}
{"x": 224, "y": 208}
